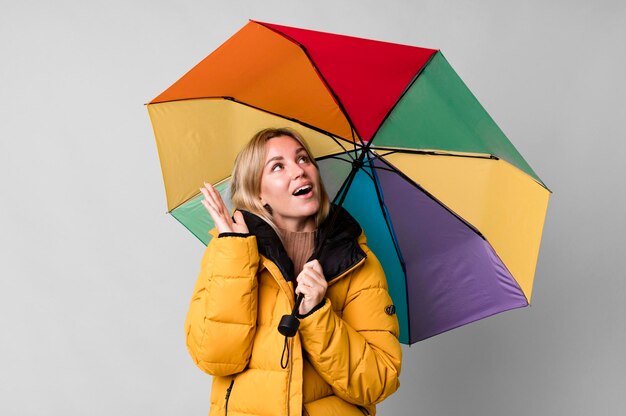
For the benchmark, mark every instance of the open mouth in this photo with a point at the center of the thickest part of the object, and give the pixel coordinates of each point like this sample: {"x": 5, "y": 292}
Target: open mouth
{"x": 303, "y": 190}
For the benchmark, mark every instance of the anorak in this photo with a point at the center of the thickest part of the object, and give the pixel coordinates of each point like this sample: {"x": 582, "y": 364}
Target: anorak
{"x": 345, "y": 357}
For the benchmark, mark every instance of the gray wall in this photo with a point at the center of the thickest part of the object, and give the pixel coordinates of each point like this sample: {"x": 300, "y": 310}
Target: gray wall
{"x": 95, "y": 279}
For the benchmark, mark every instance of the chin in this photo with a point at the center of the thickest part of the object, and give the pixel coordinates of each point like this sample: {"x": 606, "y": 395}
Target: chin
{"x": 307, "y": 212}
{"x": 310, "y": 212}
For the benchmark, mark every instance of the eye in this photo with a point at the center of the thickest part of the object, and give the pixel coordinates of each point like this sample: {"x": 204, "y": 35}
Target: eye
{"x": 276, "y": 167}
{"x": 303, "y": 159}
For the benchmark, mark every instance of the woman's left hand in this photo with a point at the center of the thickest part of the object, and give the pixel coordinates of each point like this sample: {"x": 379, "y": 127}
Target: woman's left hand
{"x": 312, "y": 284}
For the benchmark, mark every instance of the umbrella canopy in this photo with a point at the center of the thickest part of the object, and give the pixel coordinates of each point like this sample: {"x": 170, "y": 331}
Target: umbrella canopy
{"x": 452, "y": 210}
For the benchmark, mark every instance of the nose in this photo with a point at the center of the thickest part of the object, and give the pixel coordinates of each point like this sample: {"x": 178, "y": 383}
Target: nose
{"x": 297, "y": 171}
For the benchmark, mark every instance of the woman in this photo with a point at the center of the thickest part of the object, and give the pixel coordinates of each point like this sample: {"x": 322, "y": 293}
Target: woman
{"x": 345, "y": 357}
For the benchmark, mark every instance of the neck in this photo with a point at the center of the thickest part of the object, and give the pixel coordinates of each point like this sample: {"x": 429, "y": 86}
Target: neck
{"x": 297, "y": 225}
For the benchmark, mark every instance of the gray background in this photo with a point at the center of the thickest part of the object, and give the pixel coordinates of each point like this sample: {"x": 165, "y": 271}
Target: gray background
{"x": 96, "y": 278}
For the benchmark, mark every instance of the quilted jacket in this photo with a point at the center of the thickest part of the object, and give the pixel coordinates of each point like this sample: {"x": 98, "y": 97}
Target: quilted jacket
{"x": 345, "y": 357}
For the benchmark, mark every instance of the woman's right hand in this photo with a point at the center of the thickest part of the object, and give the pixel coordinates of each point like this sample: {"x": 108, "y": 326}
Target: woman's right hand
{"x": 221, "y": 217}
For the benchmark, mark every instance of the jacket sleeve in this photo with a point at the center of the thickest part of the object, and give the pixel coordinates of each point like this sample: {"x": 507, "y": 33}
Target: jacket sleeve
{"x": 221, "y": 321}
{"x": 358, "y": 354}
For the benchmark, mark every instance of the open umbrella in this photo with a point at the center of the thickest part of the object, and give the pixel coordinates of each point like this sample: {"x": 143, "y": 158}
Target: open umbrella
{"x": 452, "y": 210}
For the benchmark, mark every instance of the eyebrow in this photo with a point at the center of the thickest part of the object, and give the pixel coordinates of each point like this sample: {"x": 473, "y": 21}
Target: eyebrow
{"x": 275, "y": 158}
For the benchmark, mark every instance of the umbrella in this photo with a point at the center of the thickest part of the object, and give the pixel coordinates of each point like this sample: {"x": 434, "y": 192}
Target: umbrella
{"x": 452, "y": 210}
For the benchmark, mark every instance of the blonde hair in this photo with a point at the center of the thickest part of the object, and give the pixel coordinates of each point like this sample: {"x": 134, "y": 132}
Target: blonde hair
{"x": 245, "y": 186}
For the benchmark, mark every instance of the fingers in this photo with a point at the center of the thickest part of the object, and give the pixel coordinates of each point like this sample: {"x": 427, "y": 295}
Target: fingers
{"x": 312, "y": 285}
{"x": 315, "y": 265}
{"x": 214, "y": 199}
{"x": 211, "y": 207}
{"x": 215, "y": 206}
{"x": 239, "y": 225}
{"x": 219, "y": 213}
{"x": 312, "y": 275}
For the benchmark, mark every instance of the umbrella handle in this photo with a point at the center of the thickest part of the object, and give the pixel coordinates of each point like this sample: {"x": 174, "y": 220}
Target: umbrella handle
{"x": 289, "y": 324}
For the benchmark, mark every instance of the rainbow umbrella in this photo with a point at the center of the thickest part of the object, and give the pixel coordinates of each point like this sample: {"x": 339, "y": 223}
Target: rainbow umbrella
{"x": 449, "y": 206}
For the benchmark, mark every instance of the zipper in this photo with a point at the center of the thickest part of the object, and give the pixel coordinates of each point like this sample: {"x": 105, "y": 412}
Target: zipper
{"x": 228, "y": 390}
{"x": 290, "y": 295}
{"x": 287, "y": 288}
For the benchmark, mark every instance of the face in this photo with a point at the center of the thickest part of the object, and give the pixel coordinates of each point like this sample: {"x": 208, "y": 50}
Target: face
{"x": 290, "y": 184}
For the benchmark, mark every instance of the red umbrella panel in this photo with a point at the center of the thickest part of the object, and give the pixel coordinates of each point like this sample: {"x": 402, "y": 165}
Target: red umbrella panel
{"x": 453, "y": 211}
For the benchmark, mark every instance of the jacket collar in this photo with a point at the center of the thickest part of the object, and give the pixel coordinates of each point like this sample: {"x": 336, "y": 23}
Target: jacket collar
{"x": 337, "y": 244}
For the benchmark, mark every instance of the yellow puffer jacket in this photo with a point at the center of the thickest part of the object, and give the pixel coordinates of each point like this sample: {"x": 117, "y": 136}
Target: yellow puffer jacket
{"x": 345, "y": 357}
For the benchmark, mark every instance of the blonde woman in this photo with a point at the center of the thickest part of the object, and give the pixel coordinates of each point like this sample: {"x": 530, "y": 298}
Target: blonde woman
{"x": 345, "y": 357}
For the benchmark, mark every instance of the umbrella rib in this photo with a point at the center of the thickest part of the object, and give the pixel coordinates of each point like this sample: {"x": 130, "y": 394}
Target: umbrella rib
{"x": 406, "y": 89}
{"x": 352, "y": 130}
{"x": 319, "y": 73}
{"x": 368, "y": 174}
{"x": 434, "y": 153}
{"x": 381, "y": 202}
{"x": 293, "y": 119}
{"x": 378, "y": 156}
{"x": 341, "y": 145}
{"x": 343, "y": 191}
{"x": 431, "y": 196}
{"x": 337, "y": 157}
{"x": 383, "y": 168}
{"x": 307, "y": 125}
{"x": 342, "y": 188}
{"x": 396, "y": 245}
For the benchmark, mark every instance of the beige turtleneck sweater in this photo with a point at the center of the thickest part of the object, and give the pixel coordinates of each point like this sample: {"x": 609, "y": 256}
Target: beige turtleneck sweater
{"x": 299, "y": 247}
